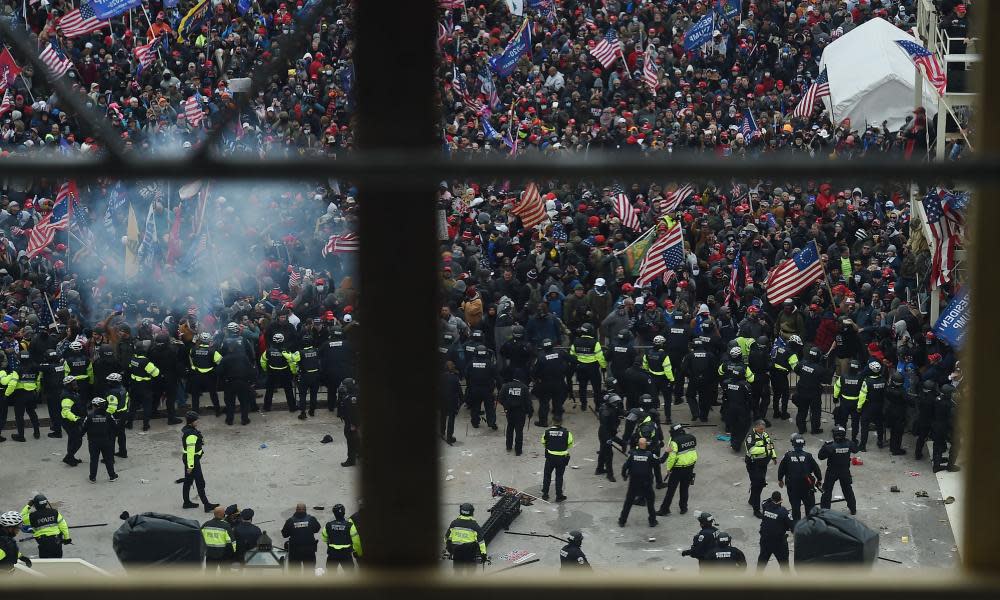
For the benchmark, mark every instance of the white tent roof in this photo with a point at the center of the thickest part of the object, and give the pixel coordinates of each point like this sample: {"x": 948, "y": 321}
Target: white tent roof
{"x": 871, "y": 77}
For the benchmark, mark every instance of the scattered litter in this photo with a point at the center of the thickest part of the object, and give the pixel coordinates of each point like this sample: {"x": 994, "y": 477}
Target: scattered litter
{"x": 56, "y": 453}
{"x": 921, "y": 494}
{"x": 905, "y": 539}
{"x": 668, "y": 569}
{"x": 275, "y": 455}
{"x": 949, "y": 500}
{"x": 538, "y": 511}
{"x": 954, "y": 548}
{"x": 652, "y": 539}
{"x": 538, "y": 472}
{"x": 143, "y": 481}
{"x": 319, "y": 508}
{"x": 574, "y": 466}
{"x": 326, "y": 439}
{"x": 913, "y": 474}
{"x": 451, "y": 470}
{"x": 857, "y": 462}
{"x": 723, "y": 437}
{"x": 652, "y": 549}
{"x": 466, "y": 453}
{"x": 262, "y": 446}
{"x": 449, "y": 477}
{"x": 894, "y": 489}
{"x": 739, "y": 516}
{"x": 838, "y": 497}
{"x": 586, "y": 459}
{"x": 737, "y": 483}
{"x": 600, "y": 486}
{"x": 467, "y": 473}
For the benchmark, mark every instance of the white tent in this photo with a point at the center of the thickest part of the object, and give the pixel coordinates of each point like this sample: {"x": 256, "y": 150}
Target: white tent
{"x": 871, "y": 77}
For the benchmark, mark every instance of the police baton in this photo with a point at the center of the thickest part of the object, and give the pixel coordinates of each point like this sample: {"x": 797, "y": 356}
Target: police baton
{"x": 521, "y": 564}
{"x": 540, "y": 535}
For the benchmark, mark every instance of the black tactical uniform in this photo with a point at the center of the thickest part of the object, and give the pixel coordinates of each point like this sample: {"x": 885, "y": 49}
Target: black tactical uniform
{"x": 100, "y": 429}
{"x": 609, "y": 418}
{"x": 301, "y": 529}
{"x": 22, "y": 391}
{"x": 809, "y": 391}
{"x": 800, "y": 473}
{"x": 678, "y": 340}
{"x": 171, "y": 359}
{"x": 517, "y": 355}
{"x": 897, "y": 399}
{"x": 837, "y": 455}
{"x": 349, "y": 410}
{"x": 925, "y": 416}
{"x": 737, "y": 378}
{"x": 589, "y": 362}
{"x": 942, "y": 429}
{"x": 549, "y": 372}
{"x": 759, "y": 361}
{"x": 50, "y": 375}
{"x": 786, "y": 358}
{"x": 515, "y": 397}
{"x": 71, "y": 416}
{"x": 105, "y": 364}
{"x": 571, "y": 556}
{"x": 636, "y": 383}
{"x": 724, "y": 555}
{"x": 774, "y": 528}
{"x": 142, "y": 371}
{"x": 638, "y": 471}
{"x": 118, "y": 405}
{"x": 481, "y": 378}
{"x": 204, "y": 359}
{"x": 705, "y": 540}
{"x": 657, "y": 362}
{"x": 847, "y": 391}
{"x": 871, "y": 405}
{"x": 309, "y": 376}
{"x": 452, "y": 398}
{"x": 337, "y": 537}
{"x": 621, "y": 354}
{"x": 337, "y": 361}
{"x": 699, "y": 366}
{"x": 557, "y": 441}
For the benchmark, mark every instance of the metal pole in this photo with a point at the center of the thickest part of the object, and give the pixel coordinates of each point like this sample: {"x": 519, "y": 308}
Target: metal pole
{"x": 398, "y": 248}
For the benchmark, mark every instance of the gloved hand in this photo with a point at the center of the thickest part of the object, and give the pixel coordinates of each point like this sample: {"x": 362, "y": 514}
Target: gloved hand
{"x": 685, "y": 552}
{"x": 67, "y": 541}
{"x": 483, "y": 558}
{"x": 25, "y": 560}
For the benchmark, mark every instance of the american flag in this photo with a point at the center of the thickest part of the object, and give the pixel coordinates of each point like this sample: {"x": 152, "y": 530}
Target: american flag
{"x": 443, "y": 34}
{"x": 146, "y": 54}
{"x": 626, "y": 212}
{"x": 342, "y": 243}
{"x": 56, "y": 61}
{"x": 588, "y": 19}
{"x": 922, "y": 57}
{"x": 649, "y": 69}
{"x": 749, "y": 127}
{"x": 795, "y": 274}
{"x": 608, "y": 49}
{"x": 7, "y": 104}
{"x": 58, "y": 219}
{"x": 664, "y": 255}
{"x": 946, "y": 225}
{"x": 81, "y": 21}
{"x": 192, "y": 110}
{"x": 294, "y": 278}
{"x": 489, "y": 88}
{"x": 675, "y": 198}
{"x": 733, "y": 275}
{"x": 819, "y": 89}
{"x": 531, "y": 208}
{"x": 458, "y": 82}
{"x": 451, "y": 4}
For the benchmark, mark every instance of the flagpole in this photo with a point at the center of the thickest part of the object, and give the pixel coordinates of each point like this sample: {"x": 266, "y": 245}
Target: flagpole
{"x": 636, "y": 240}
{"x": 26, "y": 88}
{"x": 87, "y": 246}
{"x": 826, "y": 277}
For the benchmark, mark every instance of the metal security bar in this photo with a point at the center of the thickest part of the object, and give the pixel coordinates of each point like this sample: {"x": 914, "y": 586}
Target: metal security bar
{"x": 397, "y": 169}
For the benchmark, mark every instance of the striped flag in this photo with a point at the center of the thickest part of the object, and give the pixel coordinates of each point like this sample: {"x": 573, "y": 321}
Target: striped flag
{"x": 53, "y": 57}
{"x": 819, "y": 89}
{"x": 626, "y": 212}
{"x": 675, "y": 198}
{"x": 588, "y": 19}
{"x": 749, "y": 127}
{"x": 342, "y": 243}
{"x": 664, "y": 255}
{"x": 733, "y": 274}
{"x": 7, "y": 104}
{"x": 146, "y": 54}
{"x": 608, "y": 49}
{"x": 946, "y": 229}
{"x": 451, "y": 4}
{"x": 793, "y": 275}
{"x": 650, "y": 71}
{"x": 192, "y": 110}
{"x": 57, "y": 219}
{"x": 922, "y": 57}
{"x": 80, "y": 21}
{"x": 531, "y": 208}
{"x": 489, "y": 88}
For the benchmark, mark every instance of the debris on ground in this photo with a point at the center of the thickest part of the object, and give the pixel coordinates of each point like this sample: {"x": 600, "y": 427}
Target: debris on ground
{"x": 913, "y": 474}
{"x": 262, "y": 446}
{"x": 949, "y": 500}
{"x": 326, "y": 439}
{"x": 921, "y": 494}
{"x": 857, "y": 462}
{"x": 449, "y": 477}
{"x": 894, "y": 489}
{"x": 722, "y": 437}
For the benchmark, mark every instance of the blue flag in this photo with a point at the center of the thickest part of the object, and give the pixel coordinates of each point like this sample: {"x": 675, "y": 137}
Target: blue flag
{"x": 951, "y": 324}
{"x": 749, "y": 126}
{"x": 728, "y": 8}
{"x": 488, "y": 131}
{"x": 504, "y": 64}
{"x": 243, "y": 6}
{"x": 105, "y": 9}
{"x": 700, "y": 33}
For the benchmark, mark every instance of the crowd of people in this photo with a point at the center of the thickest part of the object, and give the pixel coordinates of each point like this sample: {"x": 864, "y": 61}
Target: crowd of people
{"x": 184, "y": 289}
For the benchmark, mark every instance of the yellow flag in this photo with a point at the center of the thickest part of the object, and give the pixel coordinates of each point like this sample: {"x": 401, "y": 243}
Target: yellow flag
{"x": 132, "y": 245}
{"x": 192, "y": 21}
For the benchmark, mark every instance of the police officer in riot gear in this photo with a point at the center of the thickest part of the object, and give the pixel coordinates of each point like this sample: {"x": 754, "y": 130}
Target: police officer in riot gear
{"x": 925, "y": 416}
{"x": 337, "y": 363}
{"x": 516, "y": 354}
{"x": 724, "y": 555}
{"x": 118, "y": 406}
{"x": 638, "y": 382}
{"x": 699, "y": 367}
{"x": 638, "y": 471}
{"x": 515, "y": 397}
{"x": 800, "y": 472}
{"x": 786, "y": 359}
{"x": 760, "y": 451}
{"x": 204, "y": 358}
{"x": 774, "y": 527}
{"x": 897, "y": 399}
{"x": 705, "y": 540}
{"x": 680, "y": 459}
{"x": 656, "y": 361}
{"x": 809, "y": 390}
{"x": 571, "y": 556}
{"x": 622, "y": 354}
{"x": 309, "y": 375}
{"x": 837, "y": 455}
{"x": 192, "y": 443}
{"x": 51, "y": 375}
{"x": 590, "y": 363}
{"x": 557, "y": 441}
{"x": 609, "y": 417}
{"x": 549, "y": 373}
{"x": 280, "y": 364}
{"x": 141, "y": 371}
{"x": 349, "y": 410}
{"x": 847, "y": 391}
{"x": 678, "y": 340}
{"x": 337, "y": 537}
{"x": 871, "y": 405}
{"x": 77, "y": 365}
{"x": 48, "y": 526}
{"x": 942, "y": 431}
{"x": 22, "y": 391}
{"x": 100, "y": 428}
{"x": 759, "y": 361}
{"x": 71, "y": 415}
{"x": 452, "y": 398}
{"x": 737, "y": 378}
{"x": 237, "y": 374}
{"x": 481, "y": 378}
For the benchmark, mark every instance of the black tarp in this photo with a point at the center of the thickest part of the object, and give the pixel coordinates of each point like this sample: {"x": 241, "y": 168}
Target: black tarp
{"x": 832, "y": 537}
{"x": 158, "y": 539}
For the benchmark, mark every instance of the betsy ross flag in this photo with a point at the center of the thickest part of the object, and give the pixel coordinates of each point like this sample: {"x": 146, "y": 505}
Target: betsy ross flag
{"x": 58, "y": 219}
{"x": 819, "y": 89}
{"x": 608, "y": 49}
{"x": 946, "y": 225}
{"x": 56, "y": 61}
{"x": 922, "y": 57}
{"x": 793, "y": 275}
{"x": 531, "y": 208}
{"x": 664, "y": 255}
{"x": 193, "y": 113}
{"x": 650, "y": 71}
{"x": 624, "y": 208}
{"x": 675, "y": 198}
{"x": 81, "y": 21}
{"x": 342, "y": 243}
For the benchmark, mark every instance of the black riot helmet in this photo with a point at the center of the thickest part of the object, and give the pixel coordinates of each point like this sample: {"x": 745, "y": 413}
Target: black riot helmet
{"x": 587, "y": 329}
{"x": 646, "y": 401}
{"x": 546, "y": 343}
{"x": 814, "y": 353}
{"x": 763, "y": 341}
{"x": 481, "y": 350}
{"x": 517, "y": 331}
{"x": 853, "y": 366}
{"x": 724, "y": 539}
{"x": 706, "y": 519}
{"x": 466, "y": 509}
{"x": 623, "y": 335}
{"x": 839, "y": 433}
{"x": 477, "y": 334}
{"x": 575, "y": 538}
{"x": 798, "y": 441}
{"x": 339, "y": 511}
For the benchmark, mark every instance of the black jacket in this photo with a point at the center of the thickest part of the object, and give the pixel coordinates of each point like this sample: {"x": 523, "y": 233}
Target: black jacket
{"x": 301, "y": 530}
